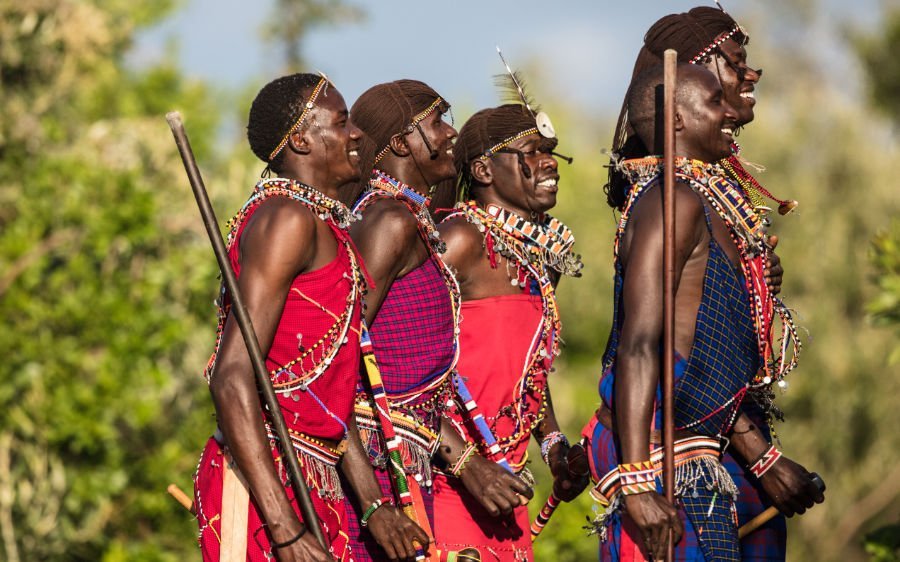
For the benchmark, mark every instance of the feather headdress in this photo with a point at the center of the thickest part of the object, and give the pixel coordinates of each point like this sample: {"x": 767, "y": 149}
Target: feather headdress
{"x": 512, "y": 90}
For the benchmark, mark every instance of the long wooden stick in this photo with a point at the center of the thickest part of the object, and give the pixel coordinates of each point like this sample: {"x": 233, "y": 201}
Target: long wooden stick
{"x": 301, "y": 491}
{"x": 768, "y": 514}
{"x": 670, "y": 58}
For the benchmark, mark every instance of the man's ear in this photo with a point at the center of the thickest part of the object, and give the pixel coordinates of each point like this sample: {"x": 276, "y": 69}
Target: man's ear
{"x": 299, "y": 141}
{"x": 481, "y": 171}
{"x": 679, "y": 121}
{"x": 398, "y": 145}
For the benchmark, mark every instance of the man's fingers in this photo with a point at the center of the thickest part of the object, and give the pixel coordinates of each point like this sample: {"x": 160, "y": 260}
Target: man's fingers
{"x": 519, "y": 486}
{"x": 773, "y": 241}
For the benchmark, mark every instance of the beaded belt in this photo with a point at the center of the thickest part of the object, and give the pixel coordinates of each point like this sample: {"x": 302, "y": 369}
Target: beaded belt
{"x": 686, "y": 450}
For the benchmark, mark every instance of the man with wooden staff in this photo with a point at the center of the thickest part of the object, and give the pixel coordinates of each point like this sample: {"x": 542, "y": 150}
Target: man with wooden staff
{"x": 719, "y": 284}
{"x": 302, "y": 283}
{"x": 710, "y": 37}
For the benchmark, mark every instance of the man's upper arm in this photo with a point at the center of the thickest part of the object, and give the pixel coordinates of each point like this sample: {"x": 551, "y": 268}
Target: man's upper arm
{"x": 385, "y": 237}
{"x": 642, "y": 291}
{"x": 464, "y": 246}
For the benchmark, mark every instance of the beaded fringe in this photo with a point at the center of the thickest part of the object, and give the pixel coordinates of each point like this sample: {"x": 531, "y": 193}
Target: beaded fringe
{"x": 321, "y": 478}
{"x": 416, "y": 459}
{"x": 704, "y": 471}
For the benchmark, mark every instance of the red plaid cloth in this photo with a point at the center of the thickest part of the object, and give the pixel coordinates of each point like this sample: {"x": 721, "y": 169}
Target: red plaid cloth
{"x": 413, "y": 331}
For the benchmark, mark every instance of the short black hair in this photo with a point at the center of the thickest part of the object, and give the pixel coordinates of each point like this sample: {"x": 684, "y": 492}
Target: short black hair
{"x": 274, "y": 111}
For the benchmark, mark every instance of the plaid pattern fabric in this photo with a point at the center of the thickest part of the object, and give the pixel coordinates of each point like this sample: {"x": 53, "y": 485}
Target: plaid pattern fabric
{"x": 725, "y": 355}
{"x": 413, "y": 331}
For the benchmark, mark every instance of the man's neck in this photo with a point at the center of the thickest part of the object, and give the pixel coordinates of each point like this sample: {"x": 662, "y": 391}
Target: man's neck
{"x": 313, "y": 180}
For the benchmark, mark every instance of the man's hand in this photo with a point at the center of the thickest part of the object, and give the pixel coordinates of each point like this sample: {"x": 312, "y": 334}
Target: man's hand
{"x": 306, "y": 549}
{"x": 773, "y": 271}
{"x": 497, "y": 490}
{"x": 570, "y": 471}
{"x": 655, "y": 517}
{"x": 790, "y": 487}
{"x": 395, "y": 533}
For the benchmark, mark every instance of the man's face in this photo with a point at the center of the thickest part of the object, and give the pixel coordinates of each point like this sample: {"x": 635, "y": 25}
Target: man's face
{"x": 738, "y": 80}
{"x": 440, "y": 135}
{"x": 333, "y": 139}
{"x": 708, "y": 121}
{"x": 526, "y": 195}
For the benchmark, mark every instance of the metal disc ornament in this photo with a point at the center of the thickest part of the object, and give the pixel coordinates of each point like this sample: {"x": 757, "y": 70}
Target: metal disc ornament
{"x": 545, "y": 127}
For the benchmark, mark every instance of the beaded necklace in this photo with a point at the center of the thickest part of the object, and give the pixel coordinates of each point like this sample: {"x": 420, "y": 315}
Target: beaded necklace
{"x": 747, "y": 230}
{"x": 383, "y": 185}
{"x": 514, "y": 238}
{"x": 285, "y": 379}
{"x": 751, "y": 187}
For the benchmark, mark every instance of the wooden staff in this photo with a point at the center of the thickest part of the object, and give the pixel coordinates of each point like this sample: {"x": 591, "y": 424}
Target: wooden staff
{"x": 670, "y": 58}
{"x": 301, "y": 491}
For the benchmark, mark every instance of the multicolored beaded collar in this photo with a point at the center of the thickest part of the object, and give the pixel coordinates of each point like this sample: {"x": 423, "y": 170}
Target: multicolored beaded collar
{"x": 749, "y": 236}
{"x": 417, "y": 203}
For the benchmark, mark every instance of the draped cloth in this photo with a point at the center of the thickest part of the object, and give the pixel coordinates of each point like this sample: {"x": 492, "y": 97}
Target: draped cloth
{"x": 497, "y": 339}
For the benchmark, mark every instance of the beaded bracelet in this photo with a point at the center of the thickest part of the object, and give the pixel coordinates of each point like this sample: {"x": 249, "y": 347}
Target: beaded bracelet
{"x": 289, "y": 542}
{"x": 765, "y": 461}
{"x": 464, "y": 457}
{"x": 549, "y": 441}
{"x": 636, "y": 478}
{"x": 364, "y": 520}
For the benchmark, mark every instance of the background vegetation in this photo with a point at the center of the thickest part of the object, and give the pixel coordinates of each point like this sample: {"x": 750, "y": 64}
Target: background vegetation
{"x": 106, "y": 281}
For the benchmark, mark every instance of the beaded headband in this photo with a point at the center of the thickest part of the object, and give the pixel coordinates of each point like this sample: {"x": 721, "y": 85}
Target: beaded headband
{"x": 503, "y": 144}
{"x": 310, "y": 103}
{"x": 409, "y": 128}
{"x": 724, "y": 36}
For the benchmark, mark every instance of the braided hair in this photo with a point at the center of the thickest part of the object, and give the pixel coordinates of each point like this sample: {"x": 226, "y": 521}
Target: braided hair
{"x": 274, "y": 111}
{"x": 690, "y": 33}
{"x": 383, "y": 111}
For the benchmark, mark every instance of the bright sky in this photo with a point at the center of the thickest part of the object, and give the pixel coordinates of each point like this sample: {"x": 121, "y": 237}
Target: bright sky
{"x": 585, "y": 47}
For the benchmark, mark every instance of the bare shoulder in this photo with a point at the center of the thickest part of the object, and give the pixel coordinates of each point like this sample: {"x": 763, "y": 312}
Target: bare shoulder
{"x": 282, "y": 231}
{"x": 464, "y": 242}
{"x": 386, "y": 219}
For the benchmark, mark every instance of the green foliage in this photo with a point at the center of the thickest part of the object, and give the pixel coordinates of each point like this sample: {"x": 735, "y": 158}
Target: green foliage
{"x": 883, "y": 545}
{"x": 878, "y": 54}
{"x": 105, "y": 289}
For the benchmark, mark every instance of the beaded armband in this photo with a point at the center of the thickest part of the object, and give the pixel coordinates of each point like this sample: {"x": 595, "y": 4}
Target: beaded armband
{"x": 463, "y": 459}
{"x": 636, "y": 478}
{"x": 765, "y": 461}
{"x": 549, "y": 441}
{"x": 364, "y": 520}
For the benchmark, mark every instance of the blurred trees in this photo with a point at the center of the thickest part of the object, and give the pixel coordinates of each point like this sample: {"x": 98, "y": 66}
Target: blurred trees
{"x": 106, "y": 281}
{"x": 105, "y": 288}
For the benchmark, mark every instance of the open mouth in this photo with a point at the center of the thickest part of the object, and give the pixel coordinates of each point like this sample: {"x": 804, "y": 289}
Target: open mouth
{"x": 748, "y": 97}
{"x": 549, "y": 183}
{"x": 728, "y": 130}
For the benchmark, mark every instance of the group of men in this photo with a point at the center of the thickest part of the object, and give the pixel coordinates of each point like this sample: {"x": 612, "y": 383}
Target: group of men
{"x": 338, "y": 254}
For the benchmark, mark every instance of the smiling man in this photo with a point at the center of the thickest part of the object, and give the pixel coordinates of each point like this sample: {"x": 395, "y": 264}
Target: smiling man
{"x": 302, "y": 283}
{"x": 718, "y": 244}
{"x": 508, "y": 255}
{"x": 413, "y": 308}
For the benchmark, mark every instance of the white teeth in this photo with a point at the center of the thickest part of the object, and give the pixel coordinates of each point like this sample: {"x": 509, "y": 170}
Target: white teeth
{"x": 354, "y": 153}
{"x": 728, "y": 131}
{"x": 748, "y": 95}
{"x": 547, "y": 182}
